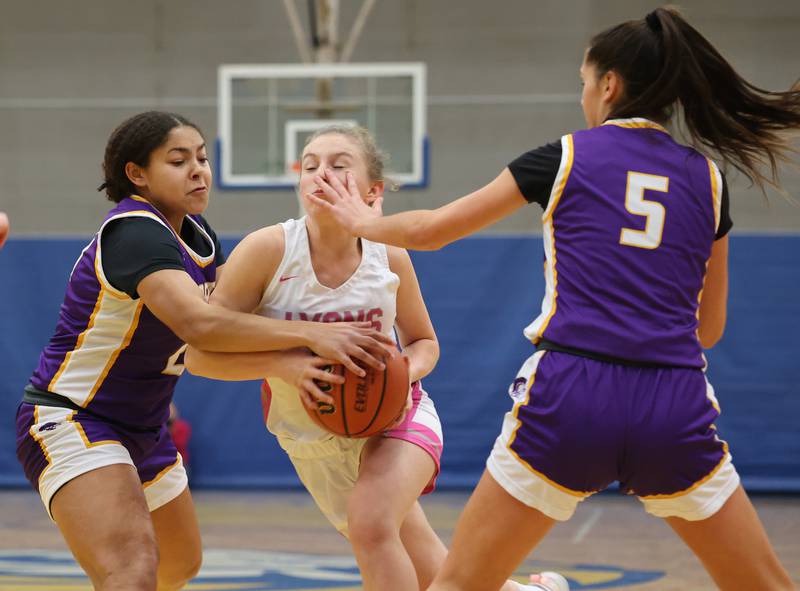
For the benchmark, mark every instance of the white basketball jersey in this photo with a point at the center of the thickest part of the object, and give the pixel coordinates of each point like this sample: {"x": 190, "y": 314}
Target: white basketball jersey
{"x": 370, "y": 294}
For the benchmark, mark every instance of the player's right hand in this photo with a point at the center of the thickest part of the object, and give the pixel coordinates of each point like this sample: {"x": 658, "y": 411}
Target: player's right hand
{"x": 349, "y": 342}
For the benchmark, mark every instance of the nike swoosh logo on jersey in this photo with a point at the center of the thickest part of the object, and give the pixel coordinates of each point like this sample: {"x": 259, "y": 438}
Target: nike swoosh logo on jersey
{"x": 286, "y": 278}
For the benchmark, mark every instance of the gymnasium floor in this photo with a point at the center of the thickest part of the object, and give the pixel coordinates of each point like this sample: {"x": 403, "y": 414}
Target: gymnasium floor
{"x": 259, "y": 541}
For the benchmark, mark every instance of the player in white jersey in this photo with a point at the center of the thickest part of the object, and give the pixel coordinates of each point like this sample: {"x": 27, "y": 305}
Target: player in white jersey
{"x": 312, "y": 269}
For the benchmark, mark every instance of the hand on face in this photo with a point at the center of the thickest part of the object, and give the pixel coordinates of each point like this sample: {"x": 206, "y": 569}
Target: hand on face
{"x": 344, "y": 201}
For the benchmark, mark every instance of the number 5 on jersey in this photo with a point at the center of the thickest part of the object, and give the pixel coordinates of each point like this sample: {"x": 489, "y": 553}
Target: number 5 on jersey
{"x": 635, "y": 203}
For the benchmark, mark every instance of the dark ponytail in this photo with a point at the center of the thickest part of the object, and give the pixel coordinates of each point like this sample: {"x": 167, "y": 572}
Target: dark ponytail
{"x": 133, "y": 141}
{"x": 666, "y": 63}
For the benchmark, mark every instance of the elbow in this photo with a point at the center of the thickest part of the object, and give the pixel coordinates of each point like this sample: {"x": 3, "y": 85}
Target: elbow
{"x": 707, "y": 341}
{"x": 710, "y": 335}
{"x": 435, "y": 353}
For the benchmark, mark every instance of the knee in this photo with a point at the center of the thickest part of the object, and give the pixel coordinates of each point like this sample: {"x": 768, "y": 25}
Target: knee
{"x": 135, "y": 561}
{"x": 176, "y": 574}
{"x": 140, "y": 555}
{"x": 369, "y": 528}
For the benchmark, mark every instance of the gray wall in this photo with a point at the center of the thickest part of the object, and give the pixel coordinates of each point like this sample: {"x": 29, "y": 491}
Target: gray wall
{"x": 70, "y": 71}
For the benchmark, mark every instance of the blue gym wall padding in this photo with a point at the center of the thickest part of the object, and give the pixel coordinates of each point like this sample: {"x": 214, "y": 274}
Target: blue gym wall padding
{"x": 480, "y": 292}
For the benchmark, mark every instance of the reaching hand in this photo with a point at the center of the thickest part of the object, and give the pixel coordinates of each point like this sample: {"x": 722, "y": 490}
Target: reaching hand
{"x": 346, "y": 342}
{"x": 345, "y": 204}
{"x": 310, "y": 374}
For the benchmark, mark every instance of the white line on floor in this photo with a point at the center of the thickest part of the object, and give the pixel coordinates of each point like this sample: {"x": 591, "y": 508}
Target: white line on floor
{"x": 587, "y": 525}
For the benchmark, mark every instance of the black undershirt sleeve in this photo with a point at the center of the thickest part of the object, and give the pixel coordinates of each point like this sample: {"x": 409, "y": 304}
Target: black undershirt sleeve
{"x": 725, "y": 221}
{"x": 135, "y": 247}
{"x": 536, "y": 171}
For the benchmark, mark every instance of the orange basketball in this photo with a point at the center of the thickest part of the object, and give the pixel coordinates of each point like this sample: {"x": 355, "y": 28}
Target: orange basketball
{"x": 364, "y": 406}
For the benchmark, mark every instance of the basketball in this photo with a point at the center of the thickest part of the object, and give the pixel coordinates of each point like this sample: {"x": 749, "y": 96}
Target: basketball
{"x": 364, "y": 406}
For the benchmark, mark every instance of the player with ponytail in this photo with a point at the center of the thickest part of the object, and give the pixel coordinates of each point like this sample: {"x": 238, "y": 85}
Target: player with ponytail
{"x": 636, "y": 245}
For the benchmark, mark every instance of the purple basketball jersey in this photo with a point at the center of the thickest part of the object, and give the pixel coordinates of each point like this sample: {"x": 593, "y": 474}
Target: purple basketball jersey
{"x": 628, "y": 233}
{"x": 110, "y": 354}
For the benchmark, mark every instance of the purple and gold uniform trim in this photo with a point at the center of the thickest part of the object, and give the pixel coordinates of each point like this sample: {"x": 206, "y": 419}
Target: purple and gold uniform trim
{"x": 109, "y": 353}
{"x": 628, "y": 227}
{"x": 163, "y": 473}
{"x": 636, "y": 123}
{"x": 38, "y": 439}
{"x": 536, "y": 329}
{"x": 515, "y": 412}
{"x": 125, "y": 342}
{"x": 78, "y": 344}
{"x": 716, "y": 201}
{"x": 201, "y": 261}
{"x": 70, "y": 418}
{"x": 716, "y": 191}
{"x": 56, "y": 445}
{"x": 113, "y": 320}
{"x": 656, "y": 437}
{"x": 699, "y": 483}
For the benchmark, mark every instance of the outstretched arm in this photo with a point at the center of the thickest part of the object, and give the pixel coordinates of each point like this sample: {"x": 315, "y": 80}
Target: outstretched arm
{"x": 421, "y": 229}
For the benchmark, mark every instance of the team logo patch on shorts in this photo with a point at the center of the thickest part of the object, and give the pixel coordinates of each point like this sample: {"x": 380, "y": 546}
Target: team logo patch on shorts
{"x": 257, "y": 570}
{"x": 48, "y": 427}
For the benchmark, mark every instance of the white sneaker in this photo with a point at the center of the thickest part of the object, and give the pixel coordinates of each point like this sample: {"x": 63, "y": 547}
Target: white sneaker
{"x": 548, "y": 581}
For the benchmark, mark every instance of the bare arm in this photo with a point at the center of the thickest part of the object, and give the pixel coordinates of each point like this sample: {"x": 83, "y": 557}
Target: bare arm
{"x": 298, "y": 367}
{"x": 714, "y": 299}
{"x": 225, "y": 324}
{"x": 414, "y": 326}
{"x": 421, "y": 229}
{"x": 176, "y": 300}
{"x": 234, "y": 367}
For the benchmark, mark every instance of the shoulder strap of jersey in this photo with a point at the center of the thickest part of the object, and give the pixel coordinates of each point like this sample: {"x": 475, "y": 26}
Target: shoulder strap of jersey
{"x": 98, "y": 257}
{"x": 293, "y": 235}
{"x": 564, "y": 169}
{"x": 375, "y": 251}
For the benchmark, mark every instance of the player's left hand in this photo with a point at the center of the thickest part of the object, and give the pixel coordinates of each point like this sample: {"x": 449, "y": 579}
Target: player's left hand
{"x": 345, "y": 203}
{"x": 310, "y": 374}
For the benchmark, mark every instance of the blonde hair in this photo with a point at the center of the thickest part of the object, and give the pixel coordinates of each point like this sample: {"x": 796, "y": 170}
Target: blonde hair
{"x": 374, "y": 157}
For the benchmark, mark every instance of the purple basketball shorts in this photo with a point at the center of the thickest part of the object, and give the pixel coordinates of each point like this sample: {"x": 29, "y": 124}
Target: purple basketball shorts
{"x": 578, "y": 425}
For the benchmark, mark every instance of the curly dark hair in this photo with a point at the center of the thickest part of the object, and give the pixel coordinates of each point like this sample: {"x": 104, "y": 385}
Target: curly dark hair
{"x": 133, "y": 141}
